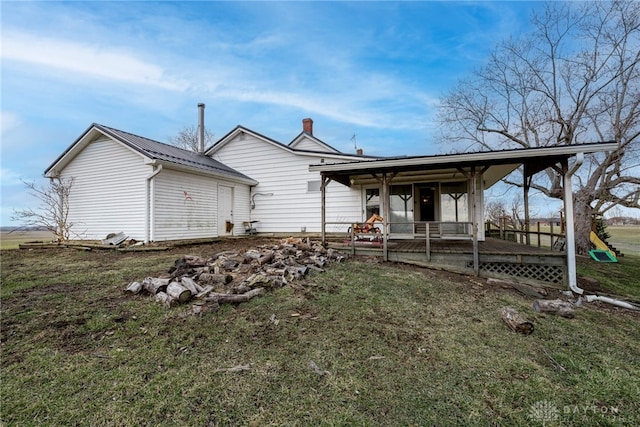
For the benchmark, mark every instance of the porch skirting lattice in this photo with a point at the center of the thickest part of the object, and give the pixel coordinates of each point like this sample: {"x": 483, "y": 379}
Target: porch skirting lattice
{"x": 539, "y": 272}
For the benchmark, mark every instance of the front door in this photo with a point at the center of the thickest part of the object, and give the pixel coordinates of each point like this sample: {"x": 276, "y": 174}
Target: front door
{"x": 427, "y": 204}
{"x": 225, "y": 210}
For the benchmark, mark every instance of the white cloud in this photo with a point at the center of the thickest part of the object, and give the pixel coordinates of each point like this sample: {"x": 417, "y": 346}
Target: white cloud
{"x": 9, "y": 177}
{"x": 8, "y": 121}
{"x": 91, "y": 60}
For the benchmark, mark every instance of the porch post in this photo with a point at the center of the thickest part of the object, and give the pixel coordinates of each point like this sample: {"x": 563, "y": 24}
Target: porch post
{"x": 474, "y": 214}
{"x": 527, "y": 185}
{"x": 323, "y": 205}
{"x": 385, "y": 215}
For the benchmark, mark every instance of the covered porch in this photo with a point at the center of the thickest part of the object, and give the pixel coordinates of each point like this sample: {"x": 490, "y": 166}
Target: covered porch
{"x": 451, "y": 235}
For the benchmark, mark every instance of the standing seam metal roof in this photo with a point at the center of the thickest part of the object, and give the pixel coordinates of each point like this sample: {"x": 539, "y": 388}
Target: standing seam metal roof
{"x": 160, "y": 151}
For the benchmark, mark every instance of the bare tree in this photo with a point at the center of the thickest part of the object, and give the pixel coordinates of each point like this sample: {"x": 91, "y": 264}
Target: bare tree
{"x": 187, "y": 138}
{"x": 53, "y": 213}
{"x": 509, "y": 216}
{"x": 574, "y": 79}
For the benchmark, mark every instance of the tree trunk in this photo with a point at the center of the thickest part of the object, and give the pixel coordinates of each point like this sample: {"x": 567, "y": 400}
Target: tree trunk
{"x": 583, "y": 217}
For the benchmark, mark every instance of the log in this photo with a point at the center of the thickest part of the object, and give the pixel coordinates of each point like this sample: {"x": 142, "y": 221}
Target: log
{"x": 297, "y": 272}
{"x": 266, "y": 258}
{"x": 153, "y": 285}
{"x": 215, "y": 279}
{"x": 133, "y": 288}
{"x": 198, "y": 287}
{"x": 515, "y": 321}
{"x": 179, "y": 292}
{"x": 204, "y": 291}
{"x": 190, "y": 284}
{"x": 558, "y": 307}
{"x": 165, "y": 299}
{"x": 194, "y": 260}
{"x": 235, "y": 298}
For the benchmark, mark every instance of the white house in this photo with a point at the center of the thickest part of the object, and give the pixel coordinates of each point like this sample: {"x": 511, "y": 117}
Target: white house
{"x": 149, "y": 190}
{"x": 287, "y": 196}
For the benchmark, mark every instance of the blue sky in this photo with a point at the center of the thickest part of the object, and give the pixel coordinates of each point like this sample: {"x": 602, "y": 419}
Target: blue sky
{"x": 373, "y": 69}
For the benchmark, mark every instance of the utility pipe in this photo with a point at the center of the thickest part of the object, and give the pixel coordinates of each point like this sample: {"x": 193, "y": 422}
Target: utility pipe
{"x": 624, "y": 304}
{"x": 149, "y": 204}
{"x": 570, "y": 228}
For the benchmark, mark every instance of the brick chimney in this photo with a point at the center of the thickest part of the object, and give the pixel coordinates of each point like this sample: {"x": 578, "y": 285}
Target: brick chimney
{"x": 307, "y": 126}
{"x": 359, "y": 151}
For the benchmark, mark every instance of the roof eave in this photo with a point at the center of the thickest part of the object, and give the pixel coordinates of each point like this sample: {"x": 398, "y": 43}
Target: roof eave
{"x": 494, "y": 157}
{"x": 229, "y": 177}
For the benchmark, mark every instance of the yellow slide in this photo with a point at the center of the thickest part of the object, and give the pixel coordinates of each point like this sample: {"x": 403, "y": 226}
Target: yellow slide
{"x": 599, "y": 244}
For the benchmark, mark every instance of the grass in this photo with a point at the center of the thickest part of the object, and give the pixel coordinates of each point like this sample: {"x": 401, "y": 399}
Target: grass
{"x": 625, "y": 238}
{"x": 621, "y": 278}
{"x": 402, "y": 346}
{"x": 11, "y": 240}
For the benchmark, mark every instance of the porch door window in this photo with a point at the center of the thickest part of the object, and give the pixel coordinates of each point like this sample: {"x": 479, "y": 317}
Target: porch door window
{"x": 454, "y": 201}
{"x": 427, "y": 204}
{"x": 401, "y": 202}
{"x": 372, "y": 202}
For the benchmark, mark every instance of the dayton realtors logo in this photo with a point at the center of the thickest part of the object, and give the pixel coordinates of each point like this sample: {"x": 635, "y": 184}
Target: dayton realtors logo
{"x": 546, "y": 412}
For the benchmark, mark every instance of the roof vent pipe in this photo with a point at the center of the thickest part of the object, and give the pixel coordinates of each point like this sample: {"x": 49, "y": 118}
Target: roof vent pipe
{"x": 201, "y": 128}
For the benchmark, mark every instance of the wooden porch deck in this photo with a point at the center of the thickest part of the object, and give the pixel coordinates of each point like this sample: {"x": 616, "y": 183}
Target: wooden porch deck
{"x": 497, "y": 258}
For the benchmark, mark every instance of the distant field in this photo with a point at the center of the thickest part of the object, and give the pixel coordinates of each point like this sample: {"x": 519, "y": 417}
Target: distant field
{"x": 13, "y": 239}
{"x": 625, "y": 238}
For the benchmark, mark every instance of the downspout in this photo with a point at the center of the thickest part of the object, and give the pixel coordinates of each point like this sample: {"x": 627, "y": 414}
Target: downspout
{"x": 571, "y": 246}
{"x": 149, "y": 202}
{"x": 624, "y": 304}
{"x": 570, "y": 228}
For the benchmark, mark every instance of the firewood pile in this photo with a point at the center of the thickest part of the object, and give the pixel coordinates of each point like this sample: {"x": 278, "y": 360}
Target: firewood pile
{"x": 235, "y": 276}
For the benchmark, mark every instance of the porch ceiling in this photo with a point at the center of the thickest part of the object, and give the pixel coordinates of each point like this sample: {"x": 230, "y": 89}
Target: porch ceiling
{"x": 492, "y": 175}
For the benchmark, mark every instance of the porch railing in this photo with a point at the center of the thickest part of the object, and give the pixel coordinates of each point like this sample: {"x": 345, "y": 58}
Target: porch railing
{"x": 542, "y": 235}
{"x": 417, "y": 230}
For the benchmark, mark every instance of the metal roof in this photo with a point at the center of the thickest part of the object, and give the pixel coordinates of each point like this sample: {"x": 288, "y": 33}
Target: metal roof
{"x": 536, "y": 159}
{"x": 162, "y": 152}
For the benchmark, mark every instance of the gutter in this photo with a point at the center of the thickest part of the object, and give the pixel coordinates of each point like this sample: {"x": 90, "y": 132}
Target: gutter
{"x": 149, "y": 204}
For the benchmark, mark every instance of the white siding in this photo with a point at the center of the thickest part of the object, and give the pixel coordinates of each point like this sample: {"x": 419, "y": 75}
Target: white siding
{"x": 184, "y": 206}
{"x": 291, "y": 207}
{"x": 311, "y": 145}
{"x": 193, "y": 215}
{"x": 108, "y": 194}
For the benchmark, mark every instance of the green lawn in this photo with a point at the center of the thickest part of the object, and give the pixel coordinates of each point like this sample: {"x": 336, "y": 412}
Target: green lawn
{"x": 13, "y": 239}
{"x": 626, "y": 239}
{"x": 400, "y": 346}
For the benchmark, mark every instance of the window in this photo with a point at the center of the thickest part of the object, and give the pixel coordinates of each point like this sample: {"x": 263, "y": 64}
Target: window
{"x": 372, "y": 200}
{"x": 313, "y": 186}
{"x": 454, "y": 201}
{"x": 401, "y": 203}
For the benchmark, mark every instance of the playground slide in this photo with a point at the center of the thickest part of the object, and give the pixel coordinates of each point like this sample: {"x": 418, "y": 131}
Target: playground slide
{"x": 599, "y": 244}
